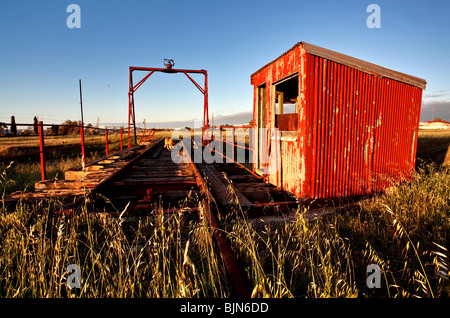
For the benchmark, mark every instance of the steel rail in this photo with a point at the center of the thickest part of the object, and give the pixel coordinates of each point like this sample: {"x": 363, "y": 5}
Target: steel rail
{"x": 237, "y": 280}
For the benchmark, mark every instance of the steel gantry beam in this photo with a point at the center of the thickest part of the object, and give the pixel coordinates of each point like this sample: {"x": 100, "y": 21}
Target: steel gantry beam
{"x": 168, "y": 69}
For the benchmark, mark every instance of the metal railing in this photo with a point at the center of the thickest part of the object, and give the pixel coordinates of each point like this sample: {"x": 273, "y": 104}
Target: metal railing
{"x": 208, "y": 136}
{"x": 82, "y": 145}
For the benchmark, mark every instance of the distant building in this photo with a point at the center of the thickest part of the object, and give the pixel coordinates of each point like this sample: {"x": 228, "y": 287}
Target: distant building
{"x": 434, "y": 124}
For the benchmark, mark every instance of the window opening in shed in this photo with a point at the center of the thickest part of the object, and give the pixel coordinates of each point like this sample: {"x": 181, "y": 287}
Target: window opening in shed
{"x": 286, "y": 98}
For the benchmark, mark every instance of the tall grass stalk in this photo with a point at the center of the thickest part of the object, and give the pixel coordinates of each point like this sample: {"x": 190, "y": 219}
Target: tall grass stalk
{"x": 406, "y": 232}
{"x": 295, "y": 258}
{"x": 160, "y": 257}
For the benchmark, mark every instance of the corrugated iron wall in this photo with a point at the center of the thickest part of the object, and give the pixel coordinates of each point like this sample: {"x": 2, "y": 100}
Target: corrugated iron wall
{"x": 364, "y": 129}
{"x": 396, "y": 131}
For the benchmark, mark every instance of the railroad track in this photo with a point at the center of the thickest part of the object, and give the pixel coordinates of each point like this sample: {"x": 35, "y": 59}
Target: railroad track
{"x": 144, "y": 179}
{"x": 153, "y": 181}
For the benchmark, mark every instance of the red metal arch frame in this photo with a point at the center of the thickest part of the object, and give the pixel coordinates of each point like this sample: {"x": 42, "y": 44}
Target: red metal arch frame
{"x": 168, "y": 69}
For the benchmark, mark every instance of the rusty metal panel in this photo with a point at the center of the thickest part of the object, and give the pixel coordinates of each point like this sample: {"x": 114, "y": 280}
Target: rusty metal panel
{"x": 396, "y": 133}
{"x": 290, "y": 168}
{"x": 287, "y": 122}
{"x": 365, "y": 130}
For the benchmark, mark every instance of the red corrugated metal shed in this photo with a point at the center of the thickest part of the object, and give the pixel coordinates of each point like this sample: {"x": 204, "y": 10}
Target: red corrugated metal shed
{"x": 330, "y": 125}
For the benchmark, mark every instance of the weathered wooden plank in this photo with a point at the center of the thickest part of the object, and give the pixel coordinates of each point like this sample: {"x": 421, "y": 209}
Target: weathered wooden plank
{"x": 159, "y": 174}
{"x": 150, "y": 180}
{"x": 80, "y": 175}
{"x": 158, "y": 151}
{"x": 156, "y": 168}
{"x": 256, "y": 196}
{"x": 175, "y": 194}
{"x": 105, "y": 162}
{"x": 167, "y": 170}
{"x": 93, "y": 167}
{"x": 223, "y": 189}
{"x": 63, "y": 184}
{"x": 253, "y": 185}
{"x": 242, "y": 177}
{"x": 160, "y": 161}
{"x": 162, "y": 165}
{"x": 140, "y": 174}
{"x": 43, "y": 194}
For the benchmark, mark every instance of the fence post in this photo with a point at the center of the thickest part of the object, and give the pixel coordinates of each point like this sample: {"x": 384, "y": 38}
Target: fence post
{"x": 220, "y": 140}
{"x": 128, "y": 138}
{"x": 251, "y": 147}
{"x": 203, "y": 131}
{"x": 121, "y": 141}
{"x": 41, "y": 150}
{"x": 106, "y": 141}
{"x": 83, "y": 156}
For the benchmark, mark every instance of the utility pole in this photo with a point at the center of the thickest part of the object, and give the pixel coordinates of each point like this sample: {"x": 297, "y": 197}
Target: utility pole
{"x": 81, "y": 104}
{"x": 83, "y": 156}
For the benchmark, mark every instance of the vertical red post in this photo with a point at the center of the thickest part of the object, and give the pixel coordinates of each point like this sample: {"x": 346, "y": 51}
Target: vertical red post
{"x": 205, "y": 102}
{"x": 220, "y": 140}
{"x": 128, "y": 138}
{"x": 83, "y": 156}
{"x": 130, "y": 108}
{"x": 277, "y": 159}
{"x": 233, "y": 142}
{"x": 121, "y": 139}
{"x": 41, "y": 150}
{"x": 203, "y": 135}
{"x": 251, "y": 145}
{"x": 106, "y": 141}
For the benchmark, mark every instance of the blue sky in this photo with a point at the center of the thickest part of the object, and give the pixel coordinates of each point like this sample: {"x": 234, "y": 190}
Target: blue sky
{"x": 41, "y": 59}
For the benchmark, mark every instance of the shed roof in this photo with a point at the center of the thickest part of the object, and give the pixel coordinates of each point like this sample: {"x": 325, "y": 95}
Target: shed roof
{"x": 355, "y": 63}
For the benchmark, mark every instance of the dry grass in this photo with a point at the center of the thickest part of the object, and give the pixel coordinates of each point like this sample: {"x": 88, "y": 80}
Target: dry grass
{"x": 432, "y": 145}
{"x": 406, "y": 232}
{"x": 160, "y": 261}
